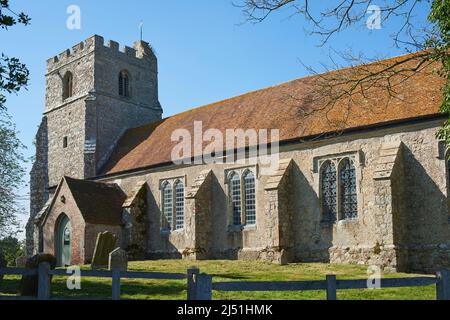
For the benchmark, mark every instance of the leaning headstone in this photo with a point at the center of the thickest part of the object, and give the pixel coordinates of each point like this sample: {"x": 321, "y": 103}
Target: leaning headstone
{"x": 21, "y": 261}
{"x": 29, "y": 284}
{"x": 118, "y": 258}
{"x": 3, "y": 263}
{"x": 106, "y": 242}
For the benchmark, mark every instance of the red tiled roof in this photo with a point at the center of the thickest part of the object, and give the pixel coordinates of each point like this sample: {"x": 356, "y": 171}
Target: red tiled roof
{"x": 99, "y": 203}
{"x": 280, "y": 107}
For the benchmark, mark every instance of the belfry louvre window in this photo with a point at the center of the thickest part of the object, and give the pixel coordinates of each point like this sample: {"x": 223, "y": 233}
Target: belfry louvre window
{"x": 124, "y": 84}
{"x": 249, "y": 187}
{"x": 167, "y": 205}
{"x": 338, "y": 190}
{"x": 329, "y": 191}
{"x": 67, "y": 85}
{"x": 349, "y": 201}
{"x": 179, "y": 205}
{"x": 242, "y": 197}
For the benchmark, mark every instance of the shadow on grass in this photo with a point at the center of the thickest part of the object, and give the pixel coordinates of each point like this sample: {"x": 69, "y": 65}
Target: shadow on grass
{"x": 138, "y": 289}
{"x": 231, "y": 276}
{"x": 9, "y": 286}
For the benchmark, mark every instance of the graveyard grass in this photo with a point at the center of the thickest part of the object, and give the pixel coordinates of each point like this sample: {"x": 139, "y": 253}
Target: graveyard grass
{"x": 230, "y": 271}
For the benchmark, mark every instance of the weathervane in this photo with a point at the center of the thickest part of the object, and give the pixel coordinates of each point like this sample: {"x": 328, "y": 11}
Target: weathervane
{"x": 141, "y": 27}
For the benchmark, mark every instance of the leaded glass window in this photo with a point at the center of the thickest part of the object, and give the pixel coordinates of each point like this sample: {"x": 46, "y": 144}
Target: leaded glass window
{"x": 179, "y": 205}
{"x": 168, "y": 204}
{"x": 124, "y": 84}
{"x": 249, "y": 188}
{"x": 347, "y": 179}
{"x": 329, "y": 191}
{"x": 235, "y": 190}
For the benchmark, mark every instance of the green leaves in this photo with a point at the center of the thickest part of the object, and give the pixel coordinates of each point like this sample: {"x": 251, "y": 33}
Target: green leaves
{"x": 439, "y": 42}
{"x": 11, "y": 174}
{"x": 14, "y": 76}
{"x": 8, "y": 16}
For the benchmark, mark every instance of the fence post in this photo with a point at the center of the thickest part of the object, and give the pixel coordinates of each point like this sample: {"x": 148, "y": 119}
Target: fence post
{"x": 192, "y": 276}
{"x": 43, "y": 281}
{"x": 204, "y": 287}
{"x": 116, "y": 284}
{"x": 443, "y": 285}
{"x": 331, "y": 287}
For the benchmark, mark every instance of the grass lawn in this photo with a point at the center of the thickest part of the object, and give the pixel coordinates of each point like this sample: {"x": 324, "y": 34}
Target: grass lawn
{"x": 230, "y": 271}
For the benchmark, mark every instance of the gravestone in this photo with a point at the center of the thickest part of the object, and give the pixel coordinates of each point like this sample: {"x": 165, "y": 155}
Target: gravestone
{"x": 29, "y": 284}
{"x": 118, "y": 258}
{"x": 21, "y": 261}
{"x": 3, "y": 263}
{"x": 106, "y": 242}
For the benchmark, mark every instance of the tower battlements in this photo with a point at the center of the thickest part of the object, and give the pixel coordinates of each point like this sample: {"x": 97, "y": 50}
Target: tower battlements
{"x": 140, "y": 51}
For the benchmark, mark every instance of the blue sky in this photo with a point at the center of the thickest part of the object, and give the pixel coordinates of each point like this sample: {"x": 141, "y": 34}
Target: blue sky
{"x": 204, "y": 52}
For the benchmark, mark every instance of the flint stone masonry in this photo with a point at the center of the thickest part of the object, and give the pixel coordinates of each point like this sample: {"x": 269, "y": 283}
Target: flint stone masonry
{"x": 135, "y": 221}
{"x": 94, "y": 118}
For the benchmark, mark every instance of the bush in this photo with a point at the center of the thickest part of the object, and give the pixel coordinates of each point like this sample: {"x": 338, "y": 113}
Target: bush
{"x": 11, "y": 248}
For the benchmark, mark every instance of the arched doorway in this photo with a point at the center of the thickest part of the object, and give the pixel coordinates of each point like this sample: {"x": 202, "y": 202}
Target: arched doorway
{"x": 64, "y": 242}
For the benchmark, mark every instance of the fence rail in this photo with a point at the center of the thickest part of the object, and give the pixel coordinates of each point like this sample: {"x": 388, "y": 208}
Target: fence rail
{"x": 200, "y": 286}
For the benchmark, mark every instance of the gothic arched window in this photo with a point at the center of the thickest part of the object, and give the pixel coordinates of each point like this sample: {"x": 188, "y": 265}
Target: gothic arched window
{"x": 67, "y": 85}
{"x": 124, "y": 84}
{"x": 328, "y": 181}
{"x": 235, "y": 192}
{"x": 249, "y": 193}
{"x": 179, "y": 205}
{"x": 167, "y": 205}
{"x": 347, "y": 183}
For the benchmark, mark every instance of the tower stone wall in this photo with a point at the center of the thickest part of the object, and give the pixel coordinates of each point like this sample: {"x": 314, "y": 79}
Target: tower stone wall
{"x": 79, "y": 132}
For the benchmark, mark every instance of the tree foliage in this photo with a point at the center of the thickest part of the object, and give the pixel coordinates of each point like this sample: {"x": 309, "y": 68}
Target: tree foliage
{"x": 429, "y": 37}
{"x": 13, "y": 77}
{"x": 11, "y": 248}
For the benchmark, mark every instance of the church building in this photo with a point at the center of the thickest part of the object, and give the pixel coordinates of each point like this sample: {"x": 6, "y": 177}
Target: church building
{"x": 372, "y": 190}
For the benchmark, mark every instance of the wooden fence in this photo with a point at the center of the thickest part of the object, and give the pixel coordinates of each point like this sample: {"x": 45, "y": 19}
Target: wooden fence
{"x": 200, "y": 286}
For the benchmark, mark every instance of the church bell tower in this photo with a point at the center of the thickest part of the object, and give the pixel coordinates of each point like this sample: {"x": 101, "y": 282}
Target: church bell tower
{"x": 94, "y": 93}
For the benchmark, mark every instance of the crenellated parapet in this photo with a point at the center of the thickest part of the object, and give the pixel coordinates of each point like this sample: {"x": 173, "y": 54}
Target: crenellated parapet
{"x": 140, "y": 51}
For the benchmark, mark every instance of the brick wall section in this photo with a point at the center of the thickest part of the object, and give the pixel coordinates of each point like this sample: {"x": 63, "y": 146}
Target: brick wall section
{"x": 50, "y": 225}
{"x": 84, "y": 235}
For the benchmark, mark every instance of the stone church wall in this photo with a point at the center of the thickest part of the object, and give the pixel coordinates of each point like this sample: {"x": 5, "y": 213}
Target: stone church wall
{"x": 402, "y": 220}
{"x": 38, "y": 185}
